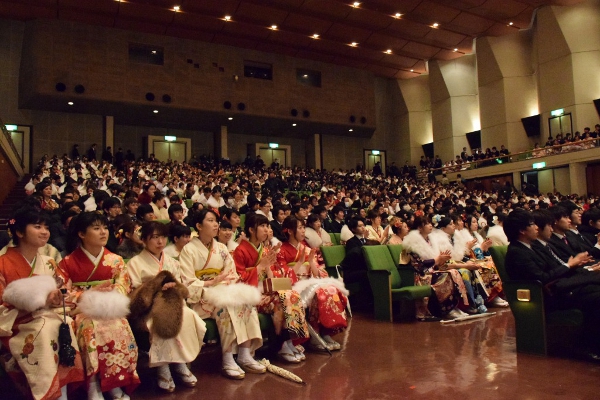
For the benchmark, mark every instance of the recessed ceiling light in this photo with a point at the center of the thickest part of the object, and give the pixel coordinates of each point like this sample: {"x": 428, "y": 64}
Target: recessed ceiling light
{"x": 315, "y": 36}
{"x": 228, "y": 18}
{"x": 356, "y": 4}
{"x": 70, "y": 103}
{"x": 388, "y": 51}
{"x": 510, "y": 23}
{"x": 274, "y": 27}
{"x": 293, "y": 124}
{"x": 153, "y": 51}
{"x": 305, "y": 76}
{"x": 350, "y": 130}
{"x": 230, "y": 118}
{"x": 412, "y": 70}
{"x": 155, "y": 111}
{"x": 353, "y": 44}
{"x": 435, "y": 25}
{"x": 455, "y": 49}
{"x": 398, "y": 15}
{"x": 176, "y": 8}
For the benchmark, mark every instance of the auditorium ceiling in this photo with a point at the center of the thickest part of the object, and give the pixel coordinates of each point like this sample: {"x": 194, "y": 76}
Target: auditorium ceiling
{"x": 391, "y": 38}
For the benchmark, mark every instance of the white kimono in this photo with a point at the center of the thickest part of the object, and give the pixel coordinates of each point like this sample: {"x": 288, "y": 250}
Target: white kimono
{"x": 231, "y": 305}
{"x": 186, "y": 346}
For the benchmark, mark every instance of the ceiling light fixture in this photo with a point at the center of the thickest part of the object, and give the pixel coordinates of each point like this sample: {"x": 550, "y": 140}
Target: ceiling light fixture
{"x": 388, "y": 51}
{"x": 155, "y": 111}
{"x": 230, "y": 118}
{"x": 510, "y": 24}
{"x": 315, "y": 36}
{"x": 398, "y": 15}
{"x": 70, "y": 103}
{"x": 353, "y": 44}
{"x": 176, "y": 8}
{"x": 356, "y": 4}
{"x": 227, "y": 18}
{"x": 274, "y": 27}
{"x": 455, "y": 49}
{"x": 293, "y": 124}
{"x": 435, "y": 25}
{"x": 412, "y": 70}
{"x": 350, "y": 130}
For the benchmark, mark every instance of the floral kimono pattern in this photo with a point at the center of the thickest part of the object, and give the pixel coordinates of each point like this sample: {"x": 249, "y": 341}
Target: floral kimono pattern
{"x": 29, "y": 352}
{"x": 236, "y": 323}
{"x": 185, "y": 347}
{"x": 285, "y": 306}
{"x": 108, "y": 347}
{"x": 327, "y": 308}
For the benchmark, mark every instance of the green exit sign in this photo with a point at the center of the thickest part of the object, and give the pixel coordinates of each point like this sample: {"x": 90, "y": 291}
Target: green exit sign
{"x": 539, "y": 165}
{"x": 557, "y": 113}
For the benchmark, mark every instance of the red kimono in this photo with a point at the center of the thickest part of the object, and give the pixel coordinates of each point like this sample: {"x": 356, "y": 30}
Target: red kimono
{"x": 285, "y": 306}
{"x": 326, "y": 302}
{"x": 111, "y": 352}
{"x": 29, "y": 350}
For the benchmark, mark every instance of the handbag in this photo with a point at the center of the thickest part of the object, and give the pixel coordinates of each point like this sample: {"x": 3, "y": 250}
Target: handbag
{"x": 276, "y": 284}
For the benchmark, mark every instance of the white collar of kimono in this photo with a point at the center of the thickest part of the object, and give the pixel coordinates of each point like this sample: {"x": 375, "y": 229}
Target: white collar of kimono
{"x": 94, "y": 260}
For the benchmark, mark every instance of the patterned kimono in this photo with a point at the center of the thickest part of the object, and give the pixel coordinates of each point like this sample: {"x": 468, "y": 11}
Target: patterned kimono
{"x": 490, "y": 285}
{"x": 236, "y": 323}
{"x": 448, "y": 285}
{"x": 285, "y": 306}
{"x": 186, "y": 346}
{"x": 327, "y": 308}
{"x": 110, "y": 351}
{"x": 29, "y": 352}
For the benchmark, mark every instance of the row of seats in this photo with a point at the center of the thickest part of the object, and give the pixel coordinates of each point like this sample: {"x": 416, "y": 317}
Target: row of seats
{"x": 389, "y": 281}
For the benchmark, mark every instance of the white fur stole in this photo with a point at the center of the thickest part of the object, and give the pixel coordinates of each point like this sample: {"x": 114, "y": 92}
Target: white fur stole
{"x": 30, "y": 293}
{"x": 415, "y": 243}
{"x": 104, "y": 305}
{"x": 234, "y": 295}
{"x": 442, "y": 241}
{"x": 307, "y": 287}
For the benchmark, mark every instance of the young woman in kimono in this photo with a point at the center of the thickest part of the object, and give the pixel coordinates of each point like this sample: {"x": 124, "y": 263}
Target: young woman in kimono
{"x": 31, "y": 312}
{"x": 480, "y": 253}
{"x": 99, "y": 286}
{"x": 325, "y": 297}
{"x": 254, "y": 264}
{"x": 429, "y": 262}
{"x": 185, "y": 347}
{"x": 209, "y": 273}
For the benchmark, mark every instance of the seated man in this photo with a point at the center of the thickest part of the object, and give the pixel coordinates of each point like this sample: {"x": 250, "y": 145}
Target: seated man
{"x": 568, "y": 286}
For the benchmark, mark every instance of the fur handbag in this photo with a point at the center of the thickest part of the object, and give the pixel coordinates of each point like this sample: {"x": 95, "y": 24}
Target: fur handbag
{"x": 165, "y": 307}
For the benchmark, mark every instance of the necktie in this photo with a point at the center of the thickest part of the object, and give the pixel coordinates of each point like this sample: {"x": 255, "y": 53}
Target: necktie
{"x": 549, "y": 250}
{"x": 363, "y": 240}
{"x": 564, "y": 238}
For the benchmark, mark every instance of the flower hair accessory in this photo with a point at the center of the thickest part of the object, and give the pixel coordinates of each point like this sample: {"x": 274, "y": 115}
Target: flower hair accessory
{"x": 495, "y": 220}
{"x": 435, "y": 220}
{"x": 12, "y": 222}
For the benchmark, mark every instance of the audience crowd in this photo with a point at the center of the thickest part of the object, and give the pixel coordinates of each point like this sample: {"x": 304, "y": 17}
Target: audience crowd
{"x": 171, "y": 244}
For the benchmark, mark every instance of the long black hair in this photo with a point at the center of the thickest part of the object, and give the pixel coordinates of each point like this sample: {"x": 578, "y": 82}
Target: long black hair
{"x": 80, "y": 224}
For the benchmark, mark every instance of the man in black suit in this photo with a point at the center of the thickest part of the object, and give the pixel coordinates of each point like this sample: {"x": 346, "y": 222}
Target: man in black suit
{"x": 567, "y": 287}
{"x": 354, "y": 264}
{"x": 277, "y": 223}
{"x": 565, "y": 239}
{"x": 337, "y": 223}
{"x": 578, "y": 241}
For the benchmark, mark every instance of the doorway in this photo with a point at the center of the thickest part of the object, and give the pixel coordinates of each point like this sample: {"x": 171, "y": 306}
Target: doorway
{"x": 561, "y": 124}
{"x": 271, "y": 155}
{"x": 372, "y": 157}
{"x": 174, "y": 151}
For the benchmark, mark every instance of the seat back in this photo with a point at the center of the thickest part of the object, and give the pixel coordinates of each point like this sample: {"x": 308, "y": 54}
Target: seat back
{"x": 242, "y": 220}
{"x": 406, "y": 272}
{"x": 189, "y": 203}
{"x": 338, "y": 238}
{"x": 379, "y": 258}
{"x": 499, "y": 256}
{"x": 333, "y": 239}
{"x": 164, "y": 221}
{"x": 333, "y": 255}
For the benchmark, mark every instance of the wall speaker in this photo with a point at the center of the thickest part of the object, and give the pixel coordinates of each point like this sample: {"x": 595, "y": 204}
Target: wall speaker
{"x": 597, "y": 105}
{"x": 60, "y": 87}
{"x": 363, "y": 120}
{"x": 306, "y": 113}
{"x": 79, "y": 89}
{"x": 150, "y": 96}
{"x": 352, "y": 119}
{"x": 241, "y": 106}
{"x": 227, "y": 105}
{"x": 474, "y": 139}
{"x": 166, "y": 98}
{"x": 294, "y": 112}
{"x": 428, "y": 150}
{"x": 532, "y": 125}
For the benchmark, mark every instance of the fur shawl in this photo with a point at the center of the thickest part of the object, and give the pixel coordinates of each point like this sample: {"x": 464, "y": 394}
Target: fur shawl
{"x": 415, "y": 243}
{"x": 103, "y": 305}
{"x": 165, "y": 307}
{"x": 30, "y": 293}
{"x": 459, "y": 249}
{"x": 237, "y": 294}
